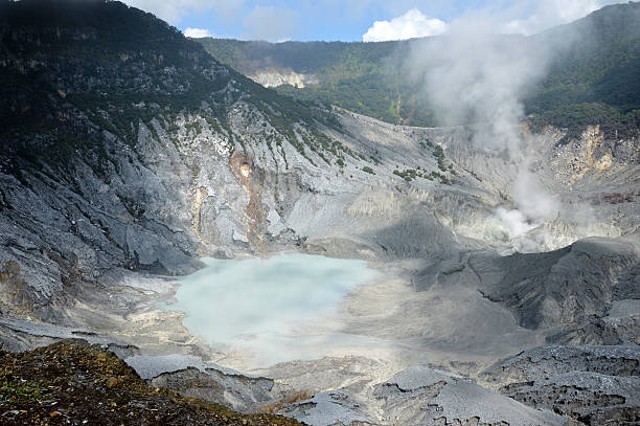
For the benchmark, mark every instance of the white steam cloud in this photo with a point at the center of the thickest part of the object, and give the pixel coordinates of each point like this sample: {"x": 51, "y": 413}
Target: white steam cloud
{"x": 476, "y": 77}
{"x": 412, "y": 24}
{"x": 514, "y": 221}
{"x": 532, "y": 198}
{"x": 534, "y": 205}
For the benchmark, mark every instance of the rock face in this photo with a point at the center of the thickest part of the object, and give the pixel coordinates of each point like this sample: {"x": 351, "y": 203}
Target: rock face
{"x": 120, "y": 169}
{"x": 446, "y": 399}
{"x": 590, "y": 398}
{"x": 192, "y": 377}
{"x": 566, "y": 286}
{"x": 279, "y": 77}
{"x": 593, "y": 384}
{"x": 420, "y": 395}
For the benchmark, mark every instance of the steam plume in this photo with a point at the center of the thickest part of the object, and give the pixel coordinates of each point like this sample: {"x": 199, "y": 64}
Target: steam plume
{"x": 476, "y": 77}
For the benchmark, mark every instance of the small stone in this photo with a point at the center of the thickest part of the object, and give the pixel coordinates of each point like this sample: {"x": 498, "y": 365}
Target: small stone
{"x": 55, "y": 413}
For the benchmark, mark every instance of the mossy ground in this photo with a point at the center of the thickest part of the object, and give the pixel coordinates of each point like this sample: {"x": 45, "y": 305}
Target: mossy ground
{"x": 72, "y": 382}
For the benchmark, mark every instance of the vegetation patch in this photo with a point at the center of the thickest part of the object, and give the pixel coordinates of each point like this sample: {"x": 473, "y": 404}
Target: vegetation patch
{"x": 72, "y": 382}
{"x": 369, "y": 170}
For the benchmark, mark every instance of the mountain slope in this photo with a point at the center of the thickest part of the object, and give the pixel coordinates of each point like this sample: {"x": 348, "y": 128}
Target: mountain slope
{"x": 593, "y": 77}
{"x": 79, "y": 59}
{"x": 364, "y": 78}
{"x": 596, "y": 80}
{"x": 112, "y": 121}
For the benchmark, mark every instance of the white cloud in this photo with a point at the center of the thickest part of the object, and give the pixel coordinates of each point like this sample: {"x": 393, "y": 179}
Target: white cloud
{"x": 197, "y": 33}
{"x": 412, "y": 24}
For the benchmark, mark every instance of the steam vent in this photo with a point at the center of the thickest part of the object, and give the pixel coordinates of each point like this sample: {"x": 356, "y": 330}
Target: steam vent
{"x": 434, "y": 220}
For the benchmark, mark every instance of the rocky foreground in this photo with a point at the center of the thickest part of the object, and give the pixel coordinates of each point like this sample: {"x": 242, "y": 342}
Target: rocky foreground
{"x": 73, "y": 382}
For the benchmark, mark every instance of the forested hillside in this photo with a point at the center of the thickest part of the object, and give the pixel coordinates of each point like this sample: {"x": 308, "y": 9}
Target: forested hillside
{"x": 594, "y": 76}
{"x": 364, "y": 78}
{"x": 597, "y": 80}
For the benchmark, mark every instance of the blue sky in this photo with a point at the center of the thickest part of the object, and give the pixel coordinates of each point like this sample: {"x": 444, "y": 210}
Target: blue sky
{"x": 358, "y": 20}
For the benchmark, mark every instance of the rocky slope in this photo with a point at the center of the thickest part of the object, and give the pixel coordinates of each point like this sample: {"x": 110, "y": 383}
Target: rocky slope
{"x": 120, "y": 169}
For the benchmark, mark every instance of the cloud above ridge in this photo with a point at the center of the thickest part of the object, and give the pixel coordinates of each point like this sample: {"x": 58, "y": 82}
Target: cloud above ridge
{"x": 412, "y": 24}
{"x": 197, "y": 32}
{"x": 377, "y": 19}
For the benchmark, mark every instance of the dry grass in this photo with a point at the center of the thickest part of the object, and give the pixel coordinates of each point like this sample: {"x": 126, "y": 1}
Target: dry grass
{"x": 72, "y": 382}
{"x": 292, "y": 398}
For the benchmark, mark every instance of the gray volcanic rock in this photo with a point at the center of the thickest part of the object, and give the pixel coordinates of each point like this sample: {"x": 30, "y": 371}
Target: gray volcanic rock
{"x": 591, "y": 398}
{"x": 592, "y": 384}
{"x": 329, "y": 408}
{"x": 192, "y": 377}
{"x": 20, "y": 335}
{"x": 419, "y": 395}
{"x": 565, "y": 286}
{"x": 547, "y": 361}
{"x": 419, "y": 235}
{"x": 424, "y": 396}
{"x": 609, "y": 330}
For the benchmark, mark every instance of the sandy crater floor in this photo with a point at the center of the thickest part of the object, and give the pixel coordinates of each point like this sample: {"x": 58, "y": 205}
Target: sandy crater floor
{"x": 385, "y": 321}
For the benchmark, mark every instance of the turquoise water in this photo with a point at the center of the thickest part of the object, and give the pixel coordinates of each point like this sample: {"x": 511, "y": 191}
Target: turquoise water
{"x": 271, "y": 310}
